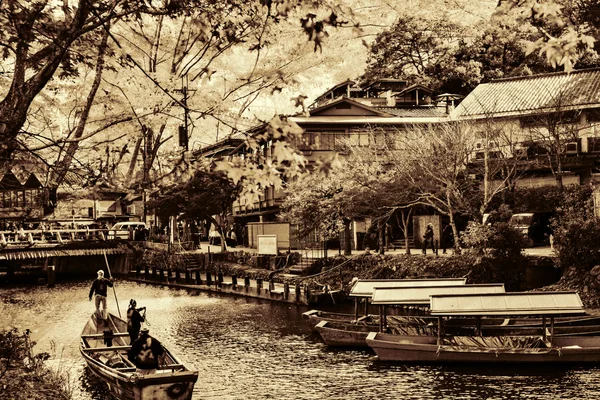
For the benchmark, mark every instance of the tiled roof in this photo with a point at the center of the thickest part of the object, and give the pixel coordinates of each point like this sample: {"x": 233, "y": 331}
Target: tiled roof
{"x": 417, "y": 112}
{"x": 533, "y": 95}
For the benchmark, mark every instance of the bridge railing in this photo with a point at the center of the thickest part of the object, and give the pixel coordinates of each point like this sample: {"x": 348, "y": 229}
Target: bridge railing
{"x": 31, "y": 236}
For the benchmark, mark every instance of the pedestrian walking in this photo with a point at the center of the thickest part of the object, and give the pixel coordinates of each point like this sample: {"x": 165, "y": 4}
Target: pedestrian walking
{"x": 428, "y": 239}
{"x": 447, "y": 238}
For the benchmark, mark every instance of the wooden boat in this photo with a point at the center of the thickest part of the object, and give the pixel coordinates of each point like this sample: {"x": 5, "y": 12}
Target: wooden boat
{"x": 363, "y": 290}
{"x": 543, "y": 348}
{"x": 353, "y": 334}
{"x": 172, "y": 381}
{"x": 342, "y": 334}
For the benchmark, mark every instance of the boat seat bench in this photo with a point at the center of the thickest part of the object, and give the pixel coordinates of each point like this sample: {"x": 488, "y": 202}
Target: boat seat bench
{"x": 101, "y": 335}
{"x": 111, "y": 348}
{"x": 170, "y": 366}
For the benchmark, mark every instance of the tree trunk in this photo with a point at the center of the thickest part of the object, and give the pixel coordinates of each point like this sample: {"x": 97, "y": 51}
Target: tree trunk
{"x": 381, "y": 237}
{"x": 347, "y": 237}
{"x": 15, "y": 106}
{"x": 62, "y": 166}
{"x": 456, "y": 241}
{"x": 405, "y": 223}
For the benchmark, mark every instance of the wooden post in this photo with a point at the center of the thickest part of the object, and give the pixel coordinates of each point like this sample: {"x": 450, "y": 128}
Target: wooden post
{"x": 271, "y": 285}
{"x": 551, "y": 331}
{"x": 137, "y": 271}
{"x": 259, "y": 284}
{"x": 381, "y": 319}
{"x": 544, "y": 328}
{"x": 356, "y": 308}
{"x": 297, "y": 291}
{"x": 246, "y": 284}
{"x": 154, "y": 273}
{"x": 385, "y": 317}
{"x": 366, "y": 306}
{"x": 187, "y": 276}
{"x": 439, "y": 338}
{"x": 208, "y": 278}
{"x": 479, "y": 326}
{"x": 51, "y": 276}
{"x": 234, "y": 281}
{"x": 286, "y": 291}
{"x": 146, "y": 272}
{"x": 198, "y": 280}
{"x": 307, "y": 293}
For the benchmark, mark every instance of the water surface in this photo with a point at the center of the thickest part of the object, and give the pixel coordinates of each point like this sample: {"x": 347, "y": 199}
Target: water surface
{"x": 252, "y": 349}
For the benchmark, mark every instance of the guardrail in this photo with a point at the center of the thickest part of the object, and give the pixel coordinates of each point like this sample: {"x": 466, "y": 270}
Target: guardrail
{"x": 45, "y": 236}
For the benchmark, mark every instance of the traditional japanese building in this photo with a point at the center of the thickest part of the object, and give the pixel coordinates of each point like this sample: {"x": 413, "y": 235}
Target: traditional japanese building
{"x": 348, "y": 114}
{"x": 552, "y": 119}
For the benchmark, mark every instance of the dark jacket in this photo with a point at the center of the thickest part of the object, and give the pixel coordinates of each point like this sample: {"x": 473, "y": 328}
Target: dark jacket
{"x": 145, "y": 351}
{"x": 134, "y": 320}
{"x": 428, "y": 236}
{"x": 99, "y": 286}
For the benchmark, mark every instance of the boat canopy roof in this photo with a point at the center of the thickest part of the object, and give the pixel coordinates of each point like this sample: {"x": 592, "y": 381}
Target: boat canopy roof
{"x": 420, "y": 295}
{"x": 508, "y": 304}
{"x": 365, "y": 287}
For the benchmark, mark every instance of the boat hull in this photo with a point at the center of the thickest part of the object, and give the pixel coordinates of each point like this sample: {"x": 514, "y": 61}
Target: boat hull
{"x": 403, "y": 349}
{"x": 171, "y": 382}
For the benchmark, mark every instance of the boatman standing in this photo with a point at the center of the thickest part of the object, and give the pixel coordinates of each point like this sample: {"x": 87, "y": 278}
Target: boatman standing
{"x": 99, "y": 286}
{"x": 145, "y": 353}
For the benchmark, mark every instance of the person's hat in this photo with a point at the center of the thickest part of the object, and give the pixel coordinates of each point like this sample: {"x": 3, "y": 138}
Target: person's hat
{"x": 100, "y": 273}
{"x": 144, "y": 331}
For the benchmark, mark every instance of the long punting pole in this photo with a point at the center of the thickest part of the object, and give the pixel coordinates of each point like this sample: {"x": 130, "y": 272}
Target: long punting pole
{"x": 114, "y": 290}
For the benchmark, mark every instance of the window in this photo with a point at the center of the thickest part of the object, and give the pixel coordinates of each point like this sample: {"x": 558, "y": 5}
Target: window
{"x": 323, "y": 140}
{"x": 593, "y": 144}
{"x": 343, "y": 106}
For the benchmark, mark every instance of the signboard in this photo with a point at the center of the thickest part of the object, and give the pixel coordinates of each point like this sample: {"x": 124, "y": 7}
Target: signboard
{"x": 267, "y": 244}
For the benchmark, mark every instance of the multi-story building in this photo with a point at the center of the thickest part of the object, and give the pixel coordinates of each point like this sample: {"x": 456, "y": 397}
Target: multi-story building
{"x": 22, "y": 200}
{"x": 347, "y": 114}
{"x": 547, "y": 124}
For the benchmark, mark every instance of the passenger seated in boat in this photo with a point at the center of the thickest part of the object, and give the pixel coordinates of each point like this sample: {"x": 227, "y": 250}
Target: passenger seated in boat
{"x": 145, "y": 352}
{"x": 134, "y": 320}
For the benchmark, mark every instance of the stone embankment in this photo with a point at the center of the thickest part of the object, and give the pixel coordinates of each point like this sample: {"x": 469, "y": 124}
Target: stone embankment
{"x": 267, "y": 289}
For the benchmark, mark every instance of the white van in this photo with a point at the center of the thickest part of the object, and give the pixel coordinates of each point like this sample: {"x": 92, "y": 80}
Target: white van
{"x": 120, "y": 230}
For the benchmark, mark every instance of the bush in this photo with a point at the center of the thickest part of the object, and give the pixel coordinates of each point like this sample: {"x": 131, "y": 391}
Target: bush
{"x": 160, "y": 259}
{"x": 23, "y": 374}
{"x": 545, "y": 198}
{"x": 576, "y": 233}
{"x": 499, "y": 247}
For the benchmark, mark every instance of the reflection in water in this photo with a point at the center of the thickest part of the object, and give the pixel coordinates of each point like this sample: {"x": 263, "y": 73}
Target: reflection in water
{"x": 249, "y": 349}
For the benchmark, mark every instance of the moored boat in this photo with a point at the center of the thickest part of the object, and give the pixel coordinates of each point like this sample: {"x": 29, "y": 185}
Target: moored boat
{"x": 353, "y": 334}
{"x": 363, "y": 290}
{"x": 543, "y": 348}
{"x": 104, "y": 346}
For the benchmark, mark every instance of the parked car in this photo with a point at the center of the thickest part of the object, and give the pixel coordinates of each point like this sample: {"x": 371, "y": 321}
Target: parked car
{"x": 534, "y": 225}
{"x": 121, "y": 230}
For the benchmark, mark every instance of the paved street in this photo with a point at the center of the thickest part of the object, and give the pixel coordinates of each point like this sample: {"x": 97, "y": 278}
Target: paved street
{"x": 204, "y": 247}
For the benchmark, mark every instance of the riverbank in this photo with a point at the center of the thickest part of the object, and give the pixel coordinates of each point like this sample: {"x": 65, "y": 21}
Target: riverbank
{"x": 24, "y": 374}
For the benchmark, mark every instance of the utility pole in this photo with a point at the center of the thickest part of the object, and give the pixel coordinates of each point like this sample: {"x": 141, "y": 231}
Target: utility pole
{"x": 183, "y": 130}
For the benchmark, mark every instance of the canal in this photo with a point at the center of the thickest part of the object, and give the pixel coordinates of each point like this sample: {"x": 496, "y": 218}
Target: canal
{"x": 251, "y": 349}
